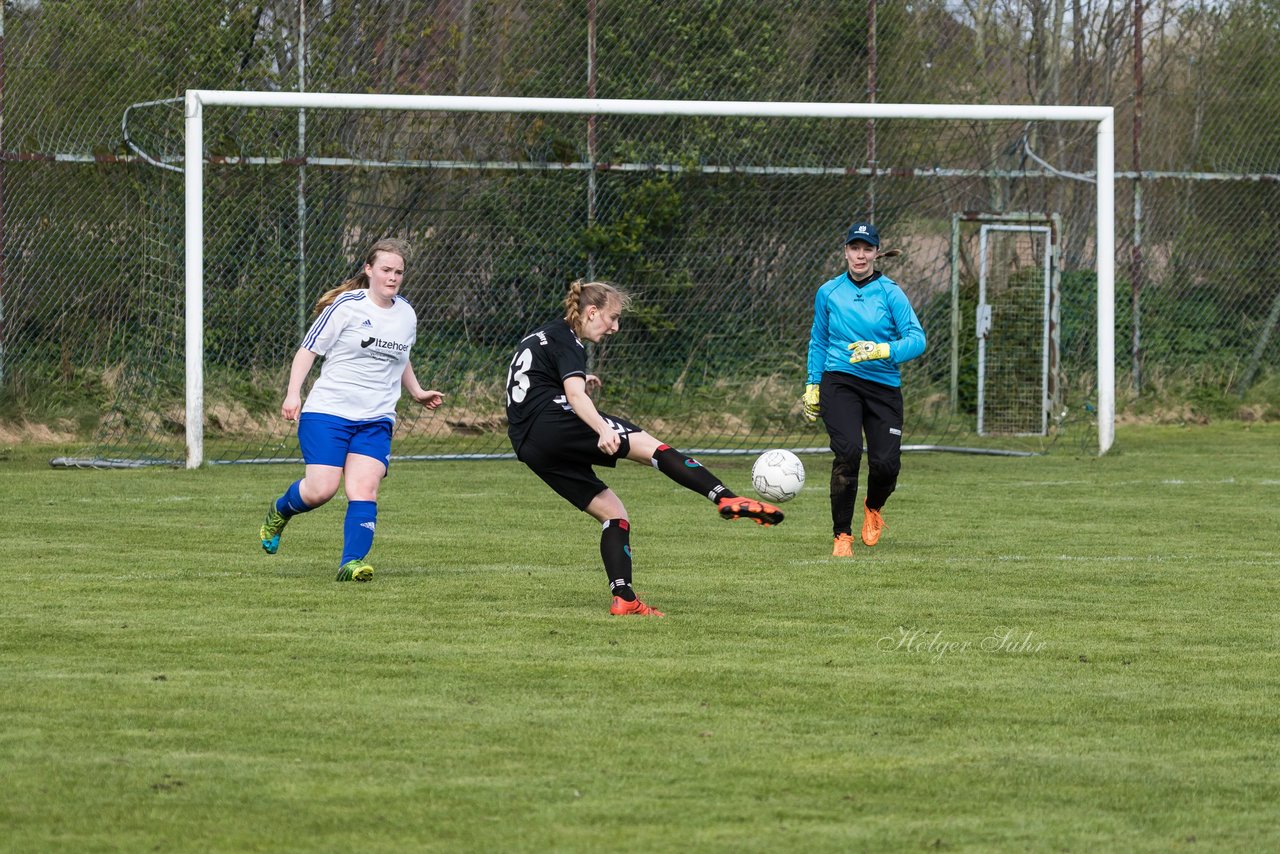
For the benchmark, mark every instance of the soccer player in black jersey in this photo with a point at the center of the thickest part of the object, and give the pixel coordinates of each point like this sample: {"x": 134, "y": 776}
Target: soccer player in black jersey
{"x": 557, "y": 431}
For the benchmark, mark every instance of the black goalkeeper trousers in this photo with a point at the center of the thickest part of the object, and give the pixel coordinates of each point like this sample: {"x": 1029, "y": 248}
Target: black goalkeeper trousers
{"x": 851, "y": 408}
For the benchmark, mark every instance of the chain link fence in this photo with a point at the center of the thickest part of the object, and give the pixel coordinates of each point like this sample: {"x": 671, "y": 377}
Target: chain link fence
{"x": 722, "y": 228}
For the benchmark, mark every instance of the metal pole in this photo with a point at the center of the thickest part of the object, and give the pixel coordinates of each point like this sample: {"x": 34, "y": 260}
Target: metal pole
{"x": 591, "y": 130}
{"x": 1135, "y": 259}
{"x": 193, "y": 214}
{"x": 982, "y": 327}
{"x": 302, "y": 172}
{"x": 955, "y": 314}
{"x": 1106, "y": 282}
{"x": 871, "y": 99}
{"x": 3, "y": 242}
{"x": 653, "y": 107}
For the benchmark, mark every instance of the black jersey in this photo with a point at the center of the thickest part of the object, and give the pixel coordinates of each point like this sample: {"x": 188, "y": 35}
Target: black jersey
{"x": 544, "y": 359}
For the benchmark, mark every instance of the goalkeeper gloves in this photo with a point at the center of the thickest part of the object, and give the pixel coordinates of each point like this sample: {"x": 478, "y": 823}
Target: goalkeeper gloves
{"x": 810, "y": 400}
{"x": 866, "y": 351}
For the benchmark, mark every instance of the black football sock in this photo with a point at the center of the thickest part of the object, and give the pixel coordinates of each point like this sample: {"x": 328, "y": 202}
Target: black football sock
{"x": 615, "y": 550}
{"x": 844, "y": 490}
{"x": 689, "y": 473}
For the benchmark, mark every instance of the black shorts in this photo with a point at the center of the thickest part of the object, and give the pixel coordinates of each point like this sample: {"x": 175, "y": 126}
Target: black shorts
{"x": 561, "y": 450}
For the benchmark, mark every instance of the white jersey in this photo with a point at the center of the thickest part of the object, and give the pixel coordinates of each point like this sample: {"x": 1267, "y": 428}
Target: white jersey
{"x": 365, "y": 351}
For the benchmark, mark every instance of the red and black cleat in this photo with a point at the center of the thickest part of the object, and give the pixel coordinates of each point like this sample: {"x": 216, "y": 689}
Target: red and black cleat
{"x": 748, "y": 508}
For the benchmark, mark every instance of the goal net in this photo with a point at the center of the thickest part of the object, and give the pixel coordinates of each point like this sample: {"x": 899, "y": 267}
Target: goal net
{"x": 721, "y": 218}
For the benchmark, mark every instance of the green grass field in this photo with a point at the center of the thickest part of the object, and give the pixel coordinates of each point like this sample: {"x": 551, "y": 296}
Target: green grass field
{"x": 1062, "y": 653}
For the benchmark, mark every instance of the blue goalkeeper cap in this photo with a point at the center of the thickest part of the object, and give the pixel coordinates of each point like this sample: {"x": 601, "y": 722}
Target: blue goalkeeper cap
{"x": 864, "y": 231}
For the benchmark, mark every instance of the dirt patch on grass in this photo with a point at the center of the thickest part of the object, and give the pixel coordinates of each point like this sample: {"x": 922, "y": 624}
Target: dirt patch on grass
{"x": 59, "y": 433}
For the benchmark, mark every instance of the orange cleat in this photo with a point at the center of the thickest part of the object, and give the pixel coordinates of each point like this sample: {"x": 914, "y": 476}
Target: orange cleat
{"x": 748, "y": 508}
{"x": 622, "y": 608}
{"x": 872, "y": 524}
{"x": 843, "y": 546}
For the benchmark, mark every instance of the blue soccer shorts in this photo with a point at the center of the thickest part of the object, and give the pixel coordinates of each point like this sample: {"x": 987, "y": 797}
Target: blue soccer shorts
{"x": 327, "y": 439}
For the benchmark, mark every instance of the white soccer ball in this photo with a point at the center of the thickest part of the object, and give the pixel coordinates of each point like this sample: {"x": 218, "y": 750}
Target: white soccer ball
{"x": 778, "y": 475}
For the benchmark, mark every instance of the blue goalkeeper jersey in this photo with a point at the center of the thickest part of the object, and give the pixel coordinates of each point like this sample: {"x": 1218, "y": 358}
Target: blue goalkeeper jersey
{"x": 876, "y": 310}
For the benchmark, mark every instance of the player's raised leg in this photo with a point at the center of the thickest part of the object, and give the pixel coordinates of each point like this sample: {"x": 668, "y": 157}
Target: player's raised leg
{"x": 739, "y": 507}
{"x": 317, "y": 486}
{"x": 691, "y": 474}
{"x": 273, "y": 523}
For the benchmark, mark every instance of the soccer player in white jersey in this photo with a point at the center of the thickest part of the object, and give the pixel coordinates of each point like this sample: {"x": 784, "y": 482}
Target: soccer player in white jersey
{"x": 557, "y": 431}
{"x": 364, "y": 330}
{"x": 863, "y": 329}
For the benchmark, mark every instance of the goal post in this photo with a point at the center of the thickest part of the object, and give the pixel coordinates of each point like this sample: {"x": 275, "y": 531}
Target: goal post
{"x": 197, "y": 100}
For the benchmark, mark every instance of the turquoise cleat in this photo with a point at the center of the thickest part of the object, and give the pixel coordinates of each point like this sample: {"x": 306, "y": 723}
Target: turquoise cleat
{"x": 272, "y": 527}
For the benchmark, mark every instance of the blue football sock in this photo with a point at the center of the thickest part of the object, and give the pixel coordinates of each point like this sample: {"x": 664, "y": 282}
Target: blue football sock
{"x": 291, "y": 504}
{"x": 357, "y": 529}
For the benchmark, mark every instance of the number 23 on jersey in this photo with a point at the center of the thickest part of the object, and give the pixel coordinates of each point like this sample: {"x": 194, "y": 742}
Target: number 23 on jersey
{"x": 518, "y": 376}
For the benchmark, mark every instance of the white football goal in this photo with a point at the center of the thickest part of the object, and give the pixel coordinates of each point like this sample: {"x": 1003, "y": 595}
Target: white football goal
{"x": 768, "y": 220}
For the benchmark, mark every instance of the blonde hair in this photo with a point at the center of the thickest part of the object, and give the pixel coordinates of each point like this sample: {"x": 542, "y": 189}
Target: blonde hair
{"x": 361, "y": 279}
{"x": 583, "y": 294}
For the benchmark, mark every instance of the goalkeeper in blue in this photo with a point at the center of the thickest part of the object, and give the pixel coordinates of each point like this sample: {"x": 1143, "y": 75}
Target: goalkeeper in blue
{"x": 364, "y": 330}
{"x": 863, "y": 329}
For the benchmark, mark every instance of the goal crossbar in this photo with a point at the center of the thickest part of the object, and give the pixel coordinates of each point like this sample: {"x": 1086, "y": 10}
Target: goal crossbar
{"x": 196, "y": 100}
